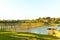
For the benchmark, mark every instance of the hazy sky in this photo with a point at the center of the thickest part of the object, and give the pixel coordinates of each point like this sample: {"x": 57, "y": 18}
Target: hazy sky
{"x": 29, "y": 9}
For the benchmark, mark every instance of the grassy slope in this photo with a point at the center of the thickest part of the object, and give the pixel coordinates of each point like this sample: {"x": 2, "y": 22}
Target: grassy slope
{"x": 40, "y": 36}
{"x": 5, "y": 36}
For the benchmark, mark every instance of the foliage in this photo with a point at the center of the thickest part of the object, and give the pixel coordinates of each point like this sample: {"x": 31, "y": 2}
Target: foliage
{"x": 44, "y": 21}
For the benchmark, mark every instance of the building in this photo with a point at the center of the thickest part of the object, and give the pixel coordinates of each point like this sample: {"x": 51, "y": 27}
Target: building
{"x": 53, "y": 31}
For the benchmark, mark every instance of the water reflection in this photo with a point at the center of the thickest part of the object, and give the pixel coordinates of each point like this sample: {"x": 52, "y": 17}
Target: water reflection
{"x": 41, "y": 30}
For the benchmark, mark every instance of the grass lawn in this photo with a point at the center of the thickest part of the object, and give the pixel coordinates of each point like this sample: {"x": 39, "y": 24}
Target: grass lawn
{"x": 25, "y": 36}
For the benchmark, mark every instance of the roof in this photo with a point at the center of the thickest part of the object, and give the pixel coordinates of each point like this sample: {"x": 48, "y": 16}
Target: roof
{"x": 51, "y": 28}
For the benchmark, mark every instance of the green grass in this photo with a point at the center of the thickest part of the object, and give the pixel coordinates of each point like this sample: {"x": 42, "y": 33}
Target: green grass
{"x": 41, "y": 36}
{"x": 6, "y": 36}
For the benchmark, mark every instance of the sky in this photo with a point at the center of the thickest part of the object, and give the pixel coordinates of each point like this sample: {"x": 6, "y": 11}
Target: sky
{"x": 29, "y": 9}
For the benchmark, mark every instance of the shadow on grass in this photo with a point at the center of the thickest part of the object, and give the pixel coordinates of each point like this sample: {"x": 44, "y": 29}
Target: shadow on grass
{"x": 6, "y": 36}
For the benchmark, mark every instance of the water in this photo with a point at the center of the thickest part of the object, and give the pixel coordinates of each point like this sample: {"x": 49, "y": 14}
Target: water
{"x": 38, "y": 30}
{"x": 41, "y": 30}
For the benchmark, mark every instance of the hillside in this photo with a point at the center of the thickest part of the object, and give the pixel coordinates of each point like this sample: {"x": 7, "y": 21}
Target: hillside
{"x": 25, "y": 36}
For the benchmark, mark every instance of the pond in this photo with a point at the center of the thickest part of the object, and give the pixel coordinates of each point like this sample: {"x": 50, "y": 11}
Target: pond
{"x": 41, "y": 30}
{"x": 38, "y": 30}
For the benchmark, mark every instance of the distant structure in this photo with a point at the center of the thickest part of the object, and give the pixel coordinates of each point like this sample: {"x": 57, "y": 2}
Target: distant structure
{"x": 6, "y": 26}
{"x": 11, "y": 26}
{"x": 51, "y": 30}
